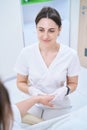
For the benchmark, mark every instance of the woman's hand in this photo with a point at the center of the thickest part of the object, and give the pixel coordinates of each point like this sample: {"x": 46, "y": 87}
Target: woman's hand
{"x": 46, "y": 100}
{"x": 59, "y": 95}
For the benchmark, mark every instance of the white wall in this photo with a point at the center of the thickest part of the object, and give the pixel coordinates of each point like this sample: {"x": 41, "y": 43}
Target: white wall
{"x": 11, "y": 37}
{"x": 74, "y": 23}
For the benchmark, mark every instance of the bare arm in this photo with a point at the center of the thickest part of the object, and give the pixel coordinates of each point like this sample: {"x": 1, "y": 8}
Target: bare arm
{"x": 25, "y": 105}
{"x": 22, "y": 83}
{"x": 72, "y": 83}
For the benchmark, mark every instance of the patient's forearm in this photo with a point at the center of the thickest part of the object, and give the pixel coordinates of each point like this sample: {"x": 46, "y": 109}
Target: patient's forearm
{"x": 25, "y": 105}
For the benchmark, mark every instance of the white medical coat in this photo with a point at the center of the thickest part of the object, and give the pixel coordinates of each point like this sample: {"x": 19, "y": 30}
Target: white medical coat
{"x": 48, "y": 79}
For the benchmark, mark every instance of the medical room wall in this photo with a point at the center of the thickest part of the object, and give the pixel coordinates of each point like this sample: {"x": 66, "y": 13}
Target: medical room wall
{"x": 74, "y": 23}
{"x": 11, "y": 36}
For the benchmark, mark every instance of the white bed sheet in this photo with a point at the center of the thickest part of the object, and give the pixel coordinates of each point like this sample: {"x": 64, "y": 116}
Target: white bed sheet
{"x": 76, "y": 120}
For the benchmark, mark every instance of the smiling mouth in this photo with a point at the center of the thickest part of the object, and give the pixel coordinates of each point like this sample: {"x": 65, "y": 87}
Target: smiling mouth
{"x": 46, "y": 40}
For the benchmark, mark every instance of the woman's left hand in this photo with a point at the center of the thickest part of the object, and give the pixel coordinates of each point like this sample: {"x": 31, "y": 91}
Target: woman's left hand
{"x": 59, "y": 94}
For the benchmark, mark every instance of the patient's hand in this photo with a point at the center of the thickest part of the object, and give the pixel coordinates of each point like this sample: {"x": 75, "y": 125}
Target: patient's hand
{"x": 46, "y": 100}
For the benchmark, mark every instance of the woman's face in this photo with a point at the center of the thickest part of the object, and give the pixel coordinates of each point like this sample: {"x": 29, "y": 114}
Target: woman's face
{"x": 47, "y": 31}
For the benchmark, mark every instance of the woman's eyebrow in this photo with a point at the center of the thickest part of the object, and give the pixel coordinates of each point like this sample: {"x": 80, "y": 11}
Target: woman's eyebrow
{"x": 44, "y": 28}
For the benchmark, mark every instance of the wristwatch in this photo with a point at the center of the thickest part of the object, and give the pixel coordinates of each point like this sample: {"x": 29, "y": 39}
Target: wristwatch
{"x": 68, "y": 90}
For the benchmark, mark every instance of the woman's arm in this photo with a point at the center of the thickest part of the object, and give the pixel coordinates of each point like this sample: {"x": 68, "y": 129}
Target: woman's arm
{"x": 22, "y": 83}
{"x": 72, "y": 83}
{"x": 25, "y": 105}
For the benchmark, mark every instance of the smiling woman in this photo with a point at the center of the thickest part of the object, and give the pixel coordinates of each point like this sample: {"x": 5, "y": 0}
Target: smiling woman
{"x": 48, "y": 67}
{"x": 47, "y": 31}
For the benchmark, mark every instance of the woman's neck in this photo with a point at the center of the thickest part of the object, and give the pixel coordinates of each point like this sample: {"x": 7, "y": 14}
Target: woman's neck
{"x": 53, "y": 48}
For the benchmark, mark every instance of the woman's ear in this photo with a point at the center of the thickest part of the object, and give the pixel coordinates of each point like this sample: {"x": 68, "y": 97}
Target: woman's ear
{"x": 60, "y": 28}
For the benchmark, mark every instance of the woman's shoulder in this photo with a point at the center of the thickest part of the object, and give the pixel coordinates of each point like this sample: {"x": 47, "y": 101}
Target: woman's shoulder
{"x": 68, "y": 50}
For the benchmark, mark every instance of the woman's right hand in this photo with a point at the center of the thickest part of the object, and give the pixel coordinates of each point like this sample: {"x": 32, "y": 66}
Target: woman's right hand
{"x": 46, "y": 100}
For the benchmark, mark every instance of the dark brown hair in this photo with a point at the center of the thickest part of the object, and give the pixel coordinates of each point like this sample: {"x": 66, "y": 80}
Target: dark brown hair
{"x": 6, "y": 115}
{"x": 51, "y": 13}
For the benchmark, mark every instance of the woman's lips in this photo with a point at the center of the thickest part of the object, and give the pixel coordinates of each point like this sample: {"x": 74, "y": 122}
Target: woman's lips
{"x": 46, "y": 41}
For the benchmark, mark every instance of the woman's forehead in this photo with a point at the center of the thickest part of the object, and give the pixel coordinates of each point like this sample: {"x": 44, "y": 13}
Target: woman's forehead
{"x": 47, "y": 23}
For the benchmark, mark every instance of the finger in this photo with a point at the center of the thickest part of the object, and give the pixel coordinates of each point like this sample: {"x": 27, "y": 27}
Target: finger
{"x": 51, "y": 105}
{"x": 51, "y": 98}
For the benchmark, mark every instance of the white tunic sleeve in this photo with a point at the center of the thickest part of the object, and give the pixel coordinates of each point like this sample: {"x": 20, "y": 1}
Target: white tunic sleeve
{"x": 74, "y": 67}
{"x": 17, "y": 118}
{"x": 16, "y": 113}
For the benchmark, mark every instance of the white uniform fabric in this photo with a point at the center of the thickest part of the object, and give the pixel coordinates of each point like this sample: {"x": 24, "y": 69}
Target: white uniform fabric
{"x": 17, "y": 123}
{"x": 48, "y": 79}
{"x": 17, "y": 118}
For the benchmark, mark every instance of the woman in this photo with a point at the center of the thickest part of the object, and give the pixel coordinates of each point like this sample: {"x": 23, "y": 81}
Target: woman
{"x": 48, "y": 67}
{"x": 16, "y": 112}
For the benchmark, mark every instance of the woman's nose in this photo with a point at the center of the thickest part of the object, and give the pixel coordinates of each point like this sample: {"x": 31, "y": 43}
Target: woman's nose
{"x": 45, "y": 35}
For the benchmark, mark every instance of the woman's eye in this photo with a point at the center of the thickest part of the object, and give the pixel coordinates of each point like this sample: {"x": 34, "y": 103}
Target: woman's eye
{"x": 41, "y": 30}
{"x": 51, "y": 31}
